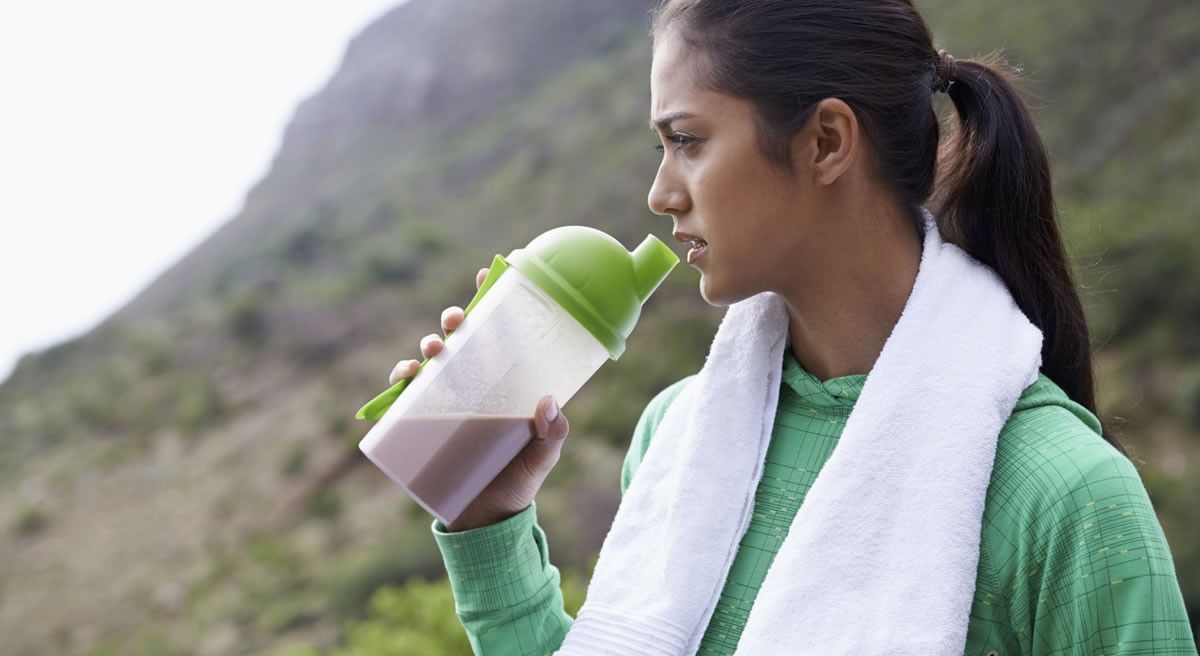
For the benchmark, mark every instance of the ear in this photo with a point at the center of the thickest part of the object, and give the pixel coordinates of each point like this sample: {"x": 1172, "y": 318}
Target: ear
{"x": 829, "y": 142}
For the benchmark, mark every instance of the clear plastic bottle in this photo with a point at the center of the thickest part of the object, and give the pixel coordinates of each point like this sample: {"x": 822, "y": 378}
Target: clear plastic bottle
{"x": 543, "y": 322}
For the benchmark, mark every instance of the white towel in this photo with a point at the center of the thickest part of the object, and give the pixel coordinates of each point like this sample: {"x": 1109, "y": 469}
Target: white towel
{"x": 881, "y": 557}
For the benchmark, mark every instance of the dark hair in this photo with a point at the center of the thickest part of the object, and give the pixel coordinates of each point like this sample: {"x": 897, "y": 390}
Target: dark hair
{"x": 989, "y": 182}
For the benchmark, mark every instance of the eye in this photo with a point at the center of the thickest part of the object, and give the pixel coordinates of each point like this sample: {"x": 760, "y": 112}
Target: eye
{"x": 682, "y": 141}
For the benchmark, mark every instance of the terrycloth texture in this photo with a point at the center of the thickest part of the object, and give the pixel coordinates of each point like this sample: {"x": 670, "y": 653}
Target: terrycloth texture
{"x": 900, "y": 552}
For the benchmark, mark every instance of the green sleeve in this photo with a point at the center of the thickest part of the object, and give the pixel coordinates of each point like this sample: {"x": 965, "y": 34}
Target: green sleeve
{"x": 506, "y": 592}
{"x": 1103, "y": 580}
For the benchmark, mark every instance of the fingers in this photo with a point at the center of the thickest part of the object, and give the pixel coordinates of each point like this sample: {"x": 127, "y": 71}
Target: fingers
{"x": 551, "y": 423}
{"x": 431, "y": 345}
{"x": 452, "y": 317}
{"x": 403, "y": 369}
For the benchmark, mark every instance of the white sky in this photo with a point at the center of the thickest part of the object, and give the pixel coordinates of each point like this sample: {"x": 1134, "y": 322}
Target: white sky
{"x": 130, "y": 130}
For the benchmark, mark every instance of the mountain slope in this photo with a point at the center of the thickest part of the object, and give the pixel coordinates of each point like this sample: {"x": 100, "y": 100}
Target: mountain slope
{"x": 191, "y": 464}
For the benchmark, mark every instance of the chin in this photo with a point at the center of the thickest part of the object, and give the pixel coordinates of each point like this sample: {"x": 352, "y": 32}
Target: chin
{"x": 717, "y": 296}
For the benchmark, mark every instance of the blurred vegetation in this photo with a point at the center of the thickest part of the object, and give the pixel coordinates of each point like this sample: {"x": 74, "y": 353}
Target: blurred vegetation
{"x": 192, "y": 462}
{"x": 418, "y": 618}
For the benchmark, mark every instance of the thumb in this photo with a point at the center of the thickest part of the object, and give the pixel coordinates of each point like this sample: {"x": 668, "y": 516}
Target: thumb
{"x": 550, "y": 422}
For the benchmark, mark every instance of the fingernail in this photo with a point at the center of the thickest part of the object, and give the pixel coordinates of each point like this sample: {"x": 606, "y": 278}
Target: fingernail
{"x": 551, "y": 411}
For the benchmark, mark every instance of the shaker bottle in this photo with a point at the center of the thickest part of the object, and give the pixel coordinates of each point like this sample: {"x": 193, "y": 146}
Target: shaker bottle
{"x": 543, "y": 322}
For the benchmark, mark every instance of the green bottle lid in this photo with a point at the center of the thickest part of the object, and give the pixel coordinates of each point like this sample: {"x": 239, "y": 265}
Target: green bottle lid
{"x": 589, "y": 274}
{"x": 594, "y": 278}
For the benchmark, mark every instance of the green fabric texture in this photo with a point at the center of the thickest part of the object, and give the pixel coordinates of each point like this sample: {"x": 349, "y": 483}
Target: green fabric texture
{"x": 1072, "y": 557}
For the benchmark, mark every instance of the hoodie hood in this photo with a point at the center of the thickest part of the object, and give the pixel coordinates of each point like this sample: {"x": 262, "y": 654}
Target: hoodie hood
{"x": 1045, "y": 392}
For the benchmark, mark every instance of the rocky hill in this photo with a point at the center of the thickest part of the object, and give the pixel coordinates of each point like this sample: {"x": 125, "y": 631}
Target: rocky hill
{"x": 185, "y": 478}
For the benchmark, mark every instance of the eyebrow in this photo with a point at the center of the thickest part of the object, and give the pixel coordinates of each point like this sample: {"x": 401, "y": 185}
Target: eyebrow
{"x": 663, "y": 123}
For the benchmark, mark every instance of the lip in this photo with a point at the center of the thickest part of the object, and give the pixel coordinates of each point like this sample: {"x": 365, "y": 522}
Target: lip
{"x": 695, "y": 253}
{"x": 685, "y": 237}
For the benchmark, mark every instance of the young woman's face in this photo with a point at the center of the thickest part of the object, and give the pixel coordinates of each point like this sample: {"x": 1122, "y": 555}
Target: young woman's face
{"x": 717, "y": 185}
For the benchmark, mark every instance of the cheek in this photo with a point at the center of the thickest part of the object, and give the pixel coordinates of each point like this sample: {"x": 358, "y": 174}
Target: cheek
{"x": 747, "y": 232}
{"x": 754, "y": 249}
{"x": 734, "y": 195}
{"x": 743, "y": 212}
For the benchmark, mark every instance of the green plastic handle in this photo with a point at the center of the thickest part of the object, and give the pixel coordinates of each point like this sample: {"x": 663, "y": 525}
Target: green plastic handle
{"x": 375, "y": 408}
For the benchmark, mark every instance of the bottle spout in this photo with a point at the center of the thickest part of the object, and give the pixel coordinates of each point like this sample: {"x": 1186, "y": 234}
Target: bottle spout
{"x": 652, "y": 261}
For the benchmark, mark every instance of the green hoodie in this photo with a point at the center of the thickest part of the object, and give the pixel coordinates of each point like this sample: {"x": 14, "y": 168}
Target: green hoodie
{"x": 1072, "y": 557}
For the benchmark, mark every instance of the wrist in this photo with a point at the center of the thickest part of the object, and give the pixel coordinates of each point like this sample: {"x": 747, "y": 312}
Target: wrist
{"x": 467, "y": 521}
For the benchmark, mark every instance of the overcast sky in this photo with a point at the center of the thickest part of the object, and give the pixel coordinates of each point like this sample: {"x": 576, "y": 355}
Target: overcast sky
{"x": 131, "y": 129}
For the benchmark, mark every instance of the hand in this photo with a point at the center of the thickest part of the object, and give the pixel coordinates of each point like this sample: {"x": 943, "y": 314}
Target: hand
{"x": 516, "y": 485}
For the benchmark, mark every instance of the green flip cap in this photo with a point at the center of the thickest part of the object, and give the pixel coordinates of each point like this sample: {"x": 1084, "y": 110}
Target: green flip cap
{"x": 589, "y": 274}
{"x": 595, "y": 279}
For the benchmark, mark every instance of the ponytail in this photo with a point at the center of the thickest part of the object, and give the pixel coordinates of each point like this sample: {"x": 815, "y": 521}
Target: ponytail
{"x": 993, "y": 199}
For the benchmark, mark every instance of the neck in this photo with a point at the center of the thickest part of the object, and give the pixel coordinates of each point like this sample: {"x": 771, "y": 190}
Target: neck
{"x": 843, "y": 310}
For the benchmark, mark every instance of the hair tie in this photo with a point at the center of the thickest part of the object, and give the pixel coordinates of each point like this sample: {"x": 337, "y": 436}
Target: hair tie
{"x": 944, "y": 72}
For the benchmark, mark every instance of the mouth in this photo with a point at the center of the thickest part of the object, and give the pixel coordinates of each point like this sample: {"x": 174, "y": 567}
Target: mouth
{"x": 698, "y": 245}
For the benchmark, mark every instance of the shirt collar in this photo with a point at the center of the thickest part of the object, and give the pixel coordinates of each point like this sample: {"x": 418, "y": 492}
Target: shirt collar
{"x": 839, "y": 392}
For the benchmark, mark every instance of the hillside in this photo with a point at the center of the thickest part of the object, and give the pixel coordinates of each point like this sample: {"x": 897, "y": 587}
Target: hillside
{"x": 185, "y": 478}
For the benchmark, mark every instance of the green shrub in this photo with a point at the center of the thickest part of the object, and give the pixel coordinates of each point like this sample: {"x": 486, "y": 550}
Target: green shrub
{"x": 427, "y": 239}
{"x": 416, "y": 618}
{"x": 306, "y": 245}
{"x": 296, "y": 460}
{"x": 198, "y": 405}
{"x": 393, "y": 563}
{"x": 245, "y": 319}
{"x": 327, "y": 504}
{"x": 385, "y": 268}
{"x": 30, "y": 521}
{"x": 296, "y": 650}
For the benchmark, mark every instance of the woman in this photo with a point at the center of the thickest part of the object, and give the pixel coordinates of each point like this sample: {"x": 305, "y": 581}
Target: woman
{"x": 800, "y": 147}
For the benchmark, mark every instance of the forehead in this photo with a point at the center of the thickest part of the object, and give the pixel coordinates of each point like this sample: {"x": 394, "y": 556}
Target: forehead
{"x": 673, "y": 81}
{"x": 675, "y": 88}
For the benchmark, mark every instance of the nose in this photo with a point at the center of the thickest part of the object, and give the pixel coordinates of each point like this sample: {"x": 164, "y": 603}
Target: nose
{"x": 667, "y": 194}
